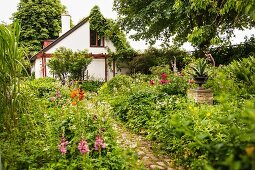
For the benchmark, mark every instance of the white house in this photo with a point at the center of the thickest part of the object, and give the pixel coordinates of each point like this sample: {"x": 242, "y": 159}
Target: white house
{"x": 80, "y": 37}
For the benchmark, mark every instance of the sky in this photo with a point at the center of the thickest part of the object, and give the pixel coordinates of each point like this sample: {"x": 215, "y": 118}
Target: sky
{"x": 79, "y": 9}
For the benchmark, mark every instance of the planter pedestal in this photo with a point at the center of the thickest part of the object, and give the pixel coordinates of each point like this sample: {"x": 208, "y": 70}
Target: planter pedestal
{"x": 201, "y": 95}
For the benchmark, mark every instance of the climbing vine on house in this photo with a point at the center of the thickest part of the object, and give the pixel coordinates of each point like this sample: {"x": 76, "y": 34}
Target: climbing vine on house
{"x": 111, "y": 29}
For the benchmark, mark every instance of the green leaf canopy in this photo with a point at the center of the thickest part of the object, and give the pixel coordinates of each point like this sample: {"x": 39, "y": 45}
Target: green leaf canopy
{"x": 199, "y": 21}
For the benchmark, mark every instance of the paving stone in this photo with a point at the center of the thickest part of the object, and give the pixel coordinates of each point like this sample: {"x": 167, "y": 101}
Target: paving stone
{"x": 143, "y": 149}
{"x": 152, "y": 157}
{"x": 161, "y": 164}
{"x": 140, "y": 153}
{"x": 156, "y": 167}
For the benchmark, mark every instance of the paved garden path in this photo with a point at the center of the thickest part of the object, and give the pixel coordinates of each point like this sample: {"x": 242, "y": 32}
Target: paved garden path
{"x": 143, "y": 148}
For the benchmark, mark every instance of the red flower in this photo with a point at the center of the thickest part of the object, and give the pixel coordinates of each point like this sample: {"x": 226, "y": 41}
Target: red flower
{"x": 163, "y": 76}
{"x": 163, "y": 81}
{"x": 152, "y": 82}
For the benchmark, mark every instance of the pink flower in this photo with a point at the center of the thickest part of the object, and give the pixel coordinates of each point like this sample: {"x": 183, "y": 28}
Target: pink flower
{"x": 62, "y": 145}
{"x": 163, "y": 76}
{"x": 58, "y": 94}
{"x": 83, "y": 147}
{"x": 152, "y": 82}
{"x": 99, "y": 143}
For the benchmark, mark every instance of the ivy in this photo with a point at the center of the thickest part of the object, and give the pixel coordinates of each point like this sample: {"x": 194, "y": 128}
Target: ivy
{"x": 111, "y": 29}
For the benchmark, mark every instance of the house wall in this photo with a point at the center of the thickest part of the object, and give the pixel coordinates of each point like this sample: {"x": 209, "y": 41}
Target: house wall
{"x": 48, "y": 73}
{"x": 38, "y": 68}
{"x": 80, "y": 40}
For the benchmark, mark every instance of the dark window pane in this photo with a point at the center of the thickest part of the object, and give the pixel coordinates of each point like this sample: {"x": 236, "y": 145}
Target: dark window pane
{"x": 93, "y": 38}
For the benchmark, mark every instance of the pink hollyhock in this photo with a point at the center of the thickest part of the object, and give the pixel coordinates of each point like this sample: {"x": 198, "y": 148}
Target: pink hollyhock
{"x": 99, "y": 143}
{"x": 83, "y": 147}
{"x": 62, "y": 145}
{"x": 163, "y": 76}
{"x": 152, "y": 82}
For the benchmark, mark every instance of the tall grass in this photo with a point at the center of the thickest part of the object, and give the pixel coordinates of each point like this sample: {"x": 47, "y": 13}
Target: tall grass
{"x": 10, "y": 73}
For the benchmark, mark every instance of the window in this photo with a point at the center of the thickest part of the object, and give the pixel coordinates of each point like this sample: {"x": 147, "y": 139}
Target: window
{"x": 95, "y": 41}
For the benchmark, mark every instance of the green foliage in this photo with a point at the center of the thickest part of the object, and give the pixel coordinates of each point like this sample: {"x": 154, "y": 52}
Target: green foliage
{"x": 236, "y": 79}
{"x": 11, "y": 98}
{"x": 200, "y": 22}
{"x": 43, "y": 87}
{"x": 91, "y": 86}
{"x": 34, "y": 143}
{"x": 119, "y": 83}
{"x": 224, "y": 54}
{"x": 65, "y": 61}
{"x": 41, "y": 20}
{"x": 157, "y": 57}
{"x": 219, "y": 136}
{"x": 199, "y": 70}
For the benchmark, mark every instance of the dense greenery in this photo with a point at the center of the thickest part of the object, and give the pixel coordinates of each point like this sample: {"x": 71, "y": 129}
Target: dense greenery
{"x": 225, "y": 54}
{"x": 219, "y": 136}
{"x": 40, "y": 20}
{"x": 10, "y": 76}
{"x": 200, "y": 22}
{"x": 156, "y": 57}
{"x": 56, "y": 113}
{"x": 65, "y": 63}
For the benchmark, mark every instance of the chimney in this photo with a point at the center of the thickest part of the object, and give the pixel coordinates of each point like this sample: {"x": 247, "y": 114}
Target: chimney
{"x": 65, "y": 23}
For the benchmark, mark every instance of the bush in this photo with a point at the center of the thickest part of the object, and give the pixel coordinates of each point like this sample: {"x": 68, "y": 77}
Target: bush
{"x": 91, "y": 86}
{"x": 236, "y": 79}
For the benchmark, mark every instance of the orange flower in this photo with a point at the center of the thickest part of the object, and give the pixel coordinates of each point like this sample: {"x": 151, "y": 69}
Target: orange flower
{"x": 74, "y": 93}
{"x": 74, "y": 103}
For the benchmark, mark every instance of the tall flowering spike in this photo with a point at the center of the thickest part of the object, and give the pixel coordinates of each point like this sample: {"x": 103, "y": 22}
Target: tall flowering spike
{"x": 163, "y": 76}
{"x": 99, "y": 143}
{"x": 83, "y": 147}
{"x": 62, "y": 145}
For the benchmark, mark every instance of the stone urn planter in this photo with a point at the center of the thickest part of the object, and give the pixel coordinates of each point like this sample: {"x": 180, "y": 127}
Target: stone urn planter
{"x": 200, "y": 80}
{"x": 200, "y": 76}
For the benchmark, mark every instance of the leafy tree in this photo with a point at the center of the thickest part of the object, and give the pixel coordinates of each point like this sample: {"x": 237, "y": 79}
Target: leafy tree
{"x": 197, "y": 21}
{"x": 40, "y": 20}
{"x": 65, "y": 61}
